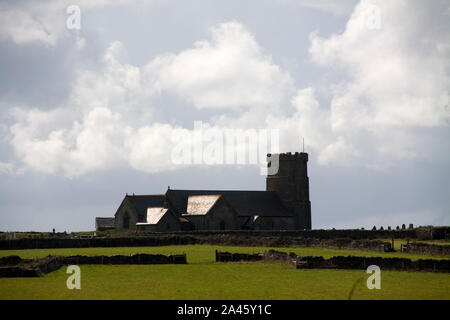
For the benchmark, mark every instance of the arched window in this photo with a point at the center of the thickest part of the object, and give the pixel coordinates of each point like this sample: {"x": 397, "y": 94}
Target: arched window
{"x": 222, "y": 225}
{"x": 126, "y": 221}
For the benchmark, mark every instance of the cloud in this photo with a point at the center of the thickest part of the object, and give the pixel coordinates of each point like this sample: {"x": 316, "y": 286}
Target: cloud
{"x": 6, "y": 168}
{"x": 99, "y": 140}
{"x": 109, "y": 120}
{"x": 231, "y": 71}
{"x": 70, "y": 150}
{"x": 395, "y": 85}
{"x": 32, "y": 22}
{"x": 397, "y": 76}
{"x": 335, "y": 7}
{"x": 308, "y": 120}
{"x": 44, "y": 22}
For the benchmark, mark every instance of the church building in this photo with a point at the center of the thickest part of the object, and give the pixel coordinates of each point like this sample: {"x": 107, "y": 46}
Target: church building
{"x": 284, "y": 205}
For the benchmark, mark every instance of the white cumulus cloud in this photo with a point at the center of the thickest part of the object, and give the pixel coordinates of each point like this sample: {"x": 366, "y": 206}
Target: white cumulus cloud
{"x": 397, "y": 76}
{"x": 396, "y": 80}
{"x": 230, "y": 71}
{"x": 109, "y": 117}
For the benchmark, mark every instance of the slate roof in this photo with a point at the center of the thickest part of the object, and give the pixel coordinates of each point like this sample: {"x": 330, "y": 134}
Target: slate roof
{"x": 104, "y": 223}
{"x": 246, "y": 203}
{"x": 154, "y": 214}
{"x": 200, "y": 205}
{"x": 142, "y": 202}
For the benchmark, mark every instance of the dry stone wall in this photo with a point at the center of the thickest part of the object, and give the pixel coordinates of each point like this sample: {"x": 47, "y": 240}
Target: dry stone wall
{"x": 235, "y": 257}
{"x": 339, "y": 262}
{"x": 425, "y": 248}
{"x": 318, "y": 238}
{"x": 14, "y": 266}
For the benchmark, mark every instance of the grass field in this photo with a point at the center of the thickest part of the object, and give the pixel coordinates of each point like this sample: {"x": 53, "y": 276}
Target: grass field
{"x": 202, "y": 278}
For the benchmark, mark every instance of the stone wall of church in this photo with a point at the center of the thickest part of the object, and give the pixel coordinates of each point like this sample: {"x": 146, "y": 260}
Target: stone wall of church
{"x": 198, "y": 221}
{"x": 220, "y": 217}
{"x": 275, "y": 223}
{"x": 126, "y": 217}
{"x": 168, "y": 223}
{"x": 146, "y": 227}
{"x": 291, "y": 183}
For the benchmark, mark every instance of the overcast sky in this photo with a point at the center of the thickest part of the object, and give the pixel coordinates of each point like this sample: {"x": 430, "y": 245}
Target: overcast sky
{"x": 87, "y": 115}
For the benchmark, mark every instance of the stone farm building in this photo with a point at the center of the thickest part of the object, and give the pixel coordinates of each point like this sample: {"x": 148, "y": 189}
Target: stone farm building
{"x": 102, "y": 224}
{"x": 284, "y": 205}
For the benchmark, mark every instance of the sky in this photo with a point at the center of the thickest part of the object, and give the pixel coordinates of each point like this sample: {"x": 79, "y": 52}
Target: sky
{"x": 94, "y": 93}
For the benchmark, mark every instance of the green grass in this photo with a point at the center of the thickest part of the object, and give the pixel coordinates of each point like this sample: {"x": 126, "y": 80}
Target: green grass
{"x": 202, "y": 278}
{"x": 225, "y": 281}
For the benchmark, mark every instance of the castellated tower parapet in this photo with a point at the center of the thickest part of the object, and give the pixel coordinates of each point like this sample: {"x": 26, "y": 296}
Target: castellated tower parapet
{"x": 291, "y": 183}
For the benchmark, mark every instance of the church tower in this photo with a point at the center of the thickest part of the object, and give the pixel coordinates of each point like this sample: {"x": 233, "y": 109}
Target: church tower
{"x": 291, "y": 183}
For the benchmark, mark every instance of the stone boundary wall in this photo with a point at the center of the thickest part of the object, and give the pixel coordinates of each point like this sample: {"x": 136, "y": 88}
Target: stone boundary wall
{"x": 187, "y": 237}
{"x": 356, "y": 234}
{"x": 398, "y": 264}
{"x": 14, "y": 266}
{"x": 216, "y": 239}
{"x": 339, "y": 262}
{"x": 426, "y": 248}
{"x": 121, "y": 259}
{"x": 227, "y": 238}
{"x": 352, "y": 262}
{"x": 421, "y": 233}
{"x": 235, "y": 257}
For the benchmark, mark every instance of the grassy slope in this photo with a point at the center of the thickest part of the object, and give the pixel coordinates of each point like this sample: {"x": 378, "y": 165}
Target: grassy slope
{"x": 204, "y": 279}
